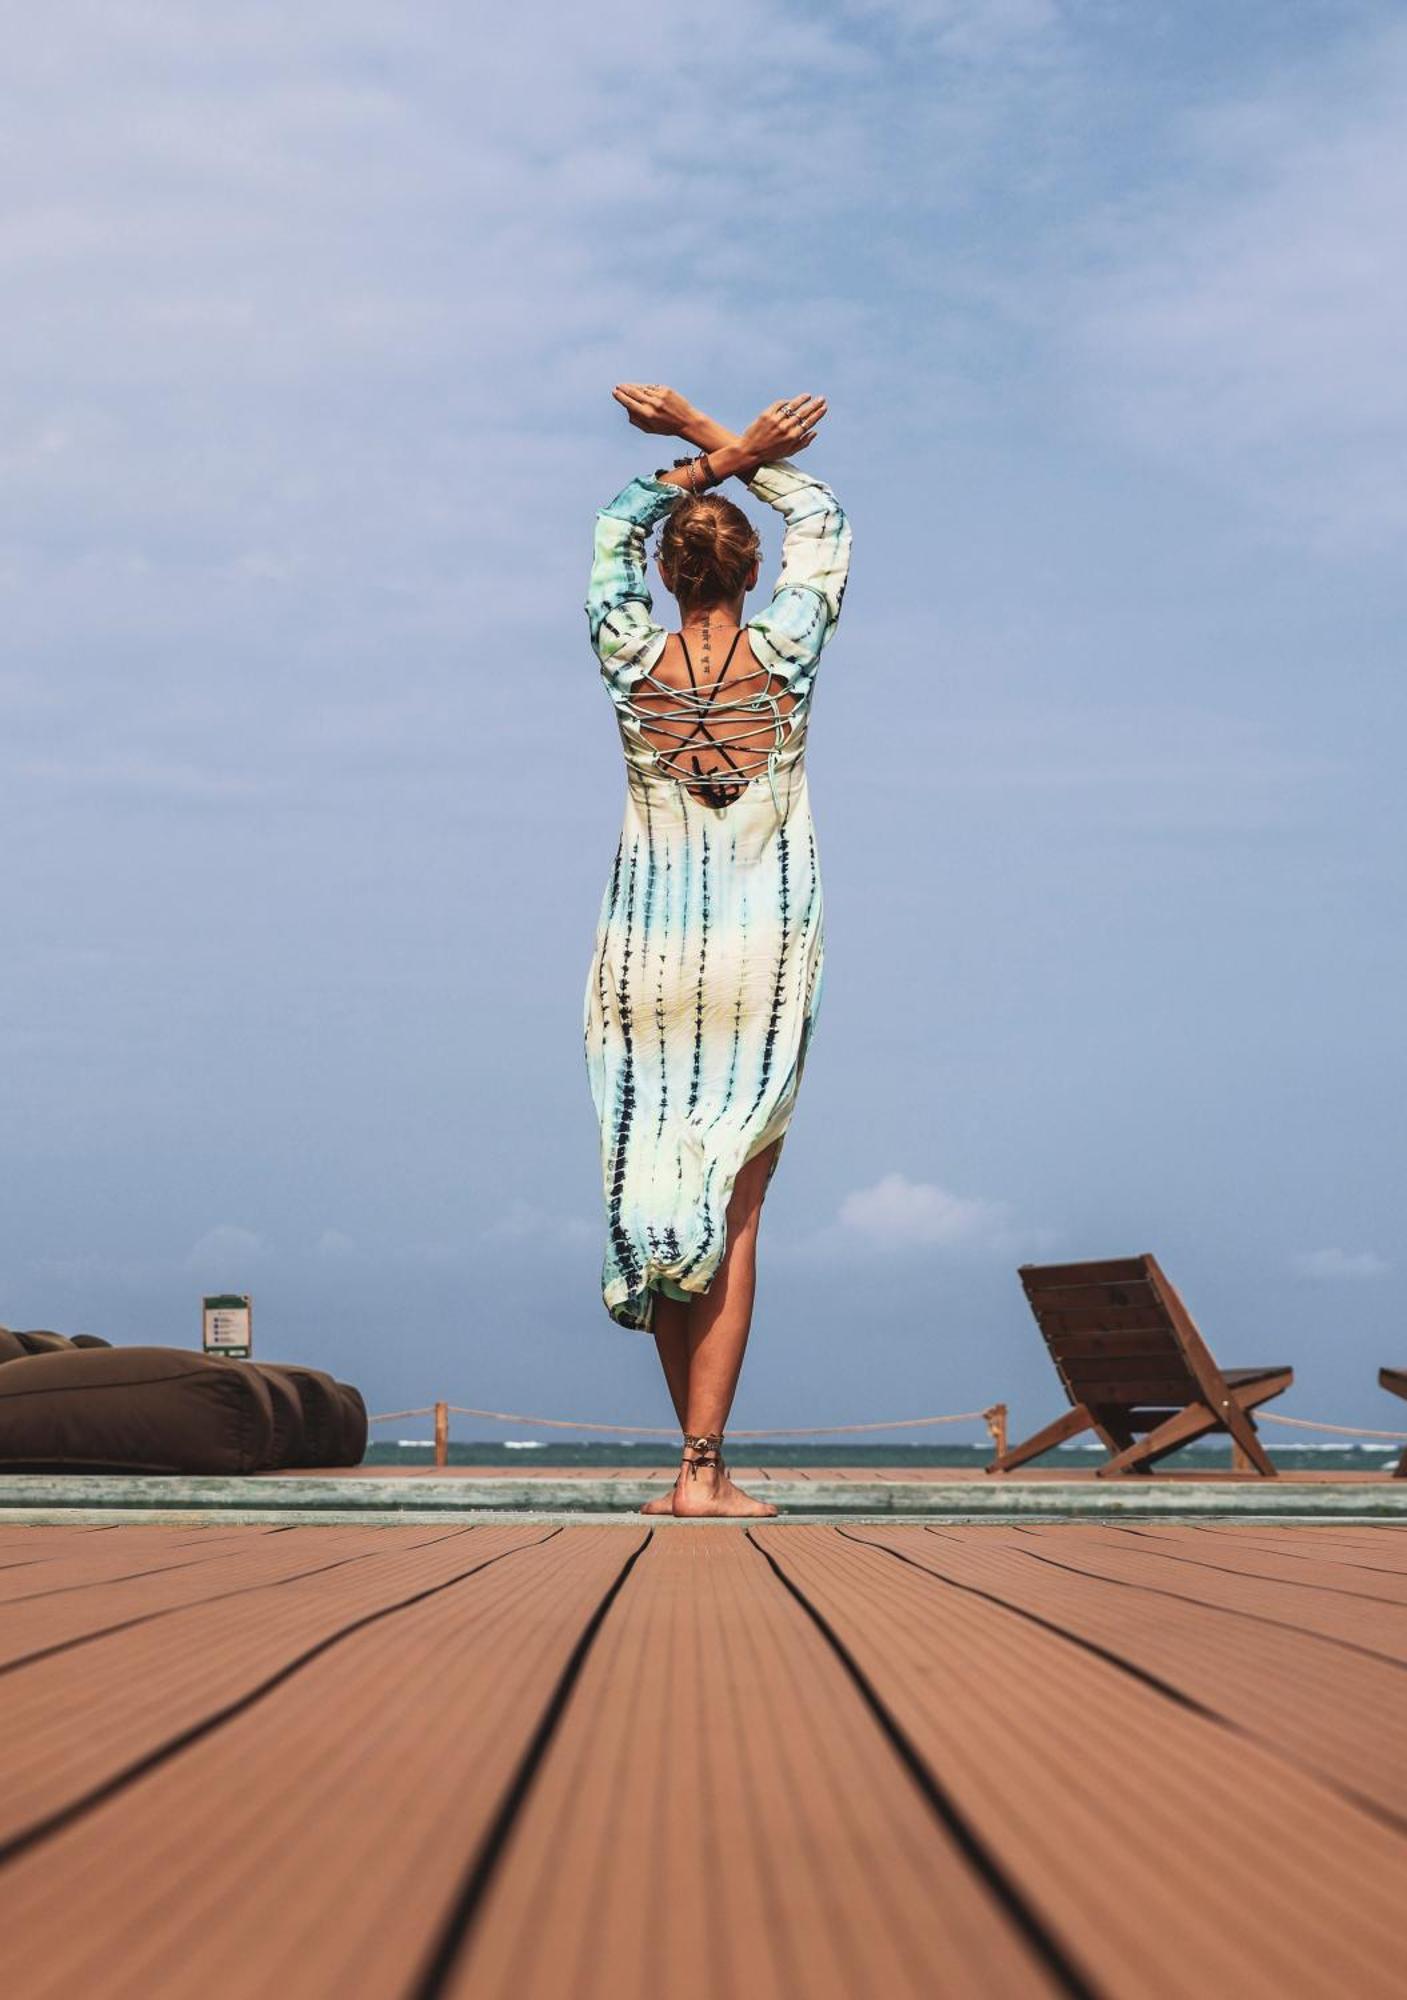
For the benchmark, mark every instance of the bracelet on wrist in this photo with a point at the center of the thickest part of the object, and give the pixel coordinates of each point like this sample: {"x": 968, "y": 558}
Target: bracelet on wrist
{"x": 698, "y": 472}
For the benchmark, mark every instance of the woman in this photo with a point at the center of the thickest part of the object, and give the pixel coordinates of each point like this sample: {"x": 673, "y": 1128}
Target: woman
{"x": 705, "y": 983}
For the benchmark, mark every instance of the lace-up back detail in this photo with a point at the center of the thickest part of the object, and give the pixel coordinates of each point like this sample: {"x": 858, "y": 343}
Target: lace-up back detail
{"x": 714, "y": 736}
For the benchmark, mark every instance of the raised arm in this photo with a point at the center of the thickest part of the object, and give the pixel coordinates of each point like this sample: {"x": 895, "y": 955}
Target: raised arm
{"x": 789, "y": 635}
{"x": 783, "y": 428}
{"x": 618, "y": 603}
{"x": 815, "y": 551}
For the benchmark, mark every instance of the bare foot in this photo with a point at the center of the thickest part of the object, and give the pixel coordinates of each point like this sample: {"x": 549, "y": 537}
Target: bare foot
{"x": 663, "y": 1503}
{"x": 710, "y": 1496}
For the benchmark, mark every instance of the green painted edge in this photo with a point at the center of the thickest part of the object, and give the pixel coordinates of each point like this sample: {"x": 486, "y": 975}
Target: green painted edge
{"x": 287, "y": 1497}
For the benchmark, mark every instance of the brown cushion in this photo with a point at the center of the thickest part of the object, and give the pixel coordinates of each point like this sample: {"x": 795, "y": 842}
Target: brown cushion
{"x": 89, "y": 1340}
{"x": 351, "y": 1445}
{"x": 289, "y": 1445}
{"x": 12, "y": 1348}
{"x": 325, "y": 1417}
{"x": 133, "y": 1409}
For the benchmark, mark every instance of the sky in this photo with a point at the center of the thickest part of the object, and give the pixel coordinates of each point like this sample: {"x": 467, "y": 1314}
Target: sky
{"x": 309, "y": 788}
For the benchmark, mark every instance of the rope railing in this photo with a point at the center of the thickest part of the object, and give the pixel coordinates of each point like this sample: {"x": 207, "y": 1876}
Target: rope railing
{"x": 669, "y": 1431}
{"x": 1339, "y": 1430}
{"x": 994, "y": 1416}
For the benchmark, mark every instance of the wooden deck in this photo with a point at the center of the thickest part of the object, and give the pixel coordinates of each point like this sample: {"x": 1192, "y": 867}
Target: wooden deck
{"x": 590, "y": 1761}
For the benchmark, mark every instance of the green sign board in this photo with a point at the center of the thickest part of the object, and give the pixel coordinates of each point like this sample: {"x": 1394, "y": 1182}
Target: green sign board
{"x": 227, "y": 1325}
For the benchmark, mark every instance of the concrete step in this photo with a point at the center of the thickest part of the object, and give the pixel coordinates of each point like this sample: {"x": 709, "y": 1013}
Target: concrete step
{"x": 74, "y": 1497}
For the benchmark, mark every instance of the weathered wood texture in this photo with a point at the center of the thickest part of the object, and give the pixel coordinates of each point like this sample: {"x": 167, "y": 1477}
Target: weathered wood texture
{"x": 602, "y": 1761}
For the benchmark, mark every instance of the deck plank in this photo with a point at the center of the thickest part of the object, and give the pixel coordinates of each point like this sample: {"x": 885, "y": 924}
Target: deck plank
{"x": 156, "y": 1682}
{"x": 1314, "y": 1570}
{"x": 1146, "y": 1833}
{"x": 131, "y": 1553}
{"x": 1335, "y": 1712}
{"x": 70, "y": 1615}
{"x": 1384, "y": 1552}
{"x": 1312, "y": 1606}
{"x": 35, "y": 1543}
{"x": 314, "y": 1844}
{"x": 720, "y": 1797}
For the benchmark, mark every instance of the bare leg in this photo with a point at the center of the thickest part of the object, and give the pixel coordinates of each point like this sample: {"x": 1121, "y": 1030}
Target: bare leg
{"x": 717, "y": 1329}
{"x": 672, "y": 1346}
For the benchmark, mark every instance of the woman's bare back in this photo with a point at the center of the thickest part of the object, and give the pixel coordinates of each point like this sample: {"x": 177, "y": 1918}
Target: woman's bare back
{"x": 710, "y": 712}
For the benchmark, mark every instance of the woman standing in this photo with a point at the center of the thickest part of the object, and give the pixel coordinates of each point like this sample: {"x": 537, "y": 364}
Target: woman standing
{"x": 706, "y": 979}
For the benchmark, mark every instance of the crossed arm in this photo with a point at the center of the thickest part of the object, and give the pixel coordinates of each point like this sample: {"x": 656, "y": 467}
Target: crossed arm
{"x": 783, "y": 429}
{"x": 789, "y": 634}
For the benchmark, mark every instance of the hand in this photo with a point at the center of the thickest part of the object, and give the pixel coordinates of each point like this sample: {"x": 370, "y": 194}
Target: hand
{"x": 652, "y": 407}
{"x": 783, "y": 428}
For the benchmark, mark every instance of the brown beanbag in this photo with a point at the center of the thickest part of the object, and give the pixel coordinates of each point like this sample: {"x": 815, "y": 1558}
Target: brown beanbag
{"x": 290, "y": 1432}
{"x": 133, "y": 1409}
{"x": 351, "y": 1448}
{"x": 332, "y": 1434}
{"x": 41, "y": 1341}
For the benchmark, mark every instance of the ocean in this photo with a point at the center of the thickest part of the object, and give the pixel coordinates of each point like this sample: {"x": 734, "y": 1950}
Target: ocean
{"x": 652, "y": 1452}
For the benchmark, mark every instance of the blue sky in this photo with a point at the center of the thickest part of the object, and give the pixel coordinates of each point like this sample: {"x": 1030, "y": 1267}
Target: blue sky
{"x": 309, "y": 788}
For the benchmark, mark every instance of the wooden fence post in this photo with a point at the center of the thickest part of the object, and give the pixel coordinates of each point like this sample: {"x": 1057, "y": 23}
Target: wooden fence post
{"x": 441, "y": 1435}
{"x": 995, "y": 1419}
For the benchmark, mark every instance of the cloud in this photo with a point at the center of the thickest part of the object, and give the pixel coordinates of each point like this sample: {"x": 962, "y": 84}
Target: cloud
{"x": 897, "y": 1213}
{"x": 223, "y": 1252}
{"x": 1247, "y": 318}
{"x": 1332, "y": 1266}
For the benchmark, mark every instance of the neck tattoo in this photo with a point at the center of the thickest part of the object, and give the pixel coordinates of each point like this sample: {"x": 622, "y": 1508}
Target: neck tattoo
{"x": 706, "y": 644}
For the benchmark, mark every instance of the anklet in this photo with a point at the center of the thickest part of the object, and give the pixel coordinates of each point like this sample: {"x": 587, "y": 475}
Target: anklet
{"x": 708, "y": 1445}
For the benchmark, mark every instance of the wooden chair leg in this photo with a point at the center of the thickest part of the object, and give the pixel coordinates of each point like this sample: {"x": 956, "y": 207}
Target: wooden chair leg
{"x": 1245, "y": 1437}
{"x": 1070, "y": 1425}
{"x": 1237, "y": 1418}
{"x": 1115, "y": 1433}
{"x": 1193, "y": 1422}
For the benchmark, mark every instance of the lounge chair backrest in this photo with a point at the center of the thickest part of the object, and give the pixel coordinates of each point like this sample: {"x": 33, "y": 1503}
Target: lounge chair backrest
{"x": 1118, "y": 1333}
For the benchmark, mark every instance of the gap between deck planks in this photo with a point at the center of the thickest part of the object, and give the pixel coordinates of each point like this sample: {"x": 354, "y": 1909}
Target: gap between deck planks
{"x": 443, "y": 1761}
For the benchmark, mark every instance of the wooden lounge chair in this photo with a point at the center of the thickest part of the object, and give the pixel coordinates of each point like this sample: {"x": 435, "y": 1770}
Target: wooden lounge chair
{"x": 1136, "y": 1370}
{"x": 1394, "y": 1380}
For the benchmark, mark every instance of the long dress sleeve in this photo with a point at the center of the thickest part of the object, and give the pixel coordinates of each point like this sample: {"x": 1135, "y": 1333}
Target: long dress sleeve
{"x": 789, "y": 635}
{"x": 618, "y": 603}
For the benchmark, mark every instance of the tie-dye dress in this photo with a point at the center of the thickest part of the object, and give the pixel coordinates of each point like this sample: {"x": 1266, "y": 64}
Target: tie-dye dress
{"x": 705, "y": 983}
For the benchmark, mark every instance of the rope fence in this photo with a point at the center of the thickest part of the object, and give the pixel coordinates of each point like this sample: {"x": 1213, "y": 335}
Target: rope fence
{"x": 1339, "y": 1430}
{"x": 994, "y": 1416}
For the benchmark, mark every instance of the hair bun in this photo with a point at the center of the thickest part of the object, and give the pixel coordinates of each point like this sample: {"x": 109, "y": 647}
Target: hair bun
{"x": 707, "y": 548}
